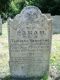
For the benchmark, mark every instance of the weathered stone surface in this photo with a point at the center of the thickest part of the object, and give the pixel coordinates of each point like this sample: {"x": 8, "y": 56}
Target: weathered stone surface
{"x": 56, "y": 24}
{"x": 48, "y": 15}
{"x": 0, "y": 25}
{"x": 29, "y": 43}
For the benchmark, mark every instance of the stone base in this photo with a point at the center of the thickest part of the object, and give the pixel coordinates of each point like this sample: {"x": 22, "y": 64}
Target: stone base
{"x": 26, "y": 78}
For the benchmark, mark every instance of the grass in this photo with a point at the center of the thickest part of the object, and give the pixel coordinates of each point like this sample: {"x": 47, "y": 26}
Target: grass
{"x": 4, "y": 52}
{"x": 55, "y": 52}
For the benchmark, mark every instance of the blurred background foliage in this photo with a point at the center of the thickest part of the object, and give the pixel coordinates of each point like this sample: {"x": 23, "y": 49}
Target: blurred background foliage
{"x": 9, "y": 8}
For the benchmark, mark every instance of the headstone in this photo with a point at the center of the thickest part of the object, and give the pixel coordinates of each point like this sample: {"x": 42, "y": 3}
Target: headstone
{"x": 0, "y": 25}
{"x": 56, "y": 24}
{"x": 29, "y": 43}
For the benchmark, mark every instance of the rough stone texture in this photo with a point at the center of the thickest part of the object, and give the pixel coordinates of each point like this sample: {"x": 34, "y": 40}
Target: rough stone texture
{"x": 29, "y": 43}
{"x": 56, "y": 24}
{"x": 0, "y": 25}
{"x": 48, "y": 15}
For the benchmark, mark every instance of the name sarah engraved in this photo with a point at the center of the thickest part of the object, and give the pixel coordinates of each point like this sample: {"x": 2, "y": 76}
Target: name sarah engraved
{"x": 30, "y": 34}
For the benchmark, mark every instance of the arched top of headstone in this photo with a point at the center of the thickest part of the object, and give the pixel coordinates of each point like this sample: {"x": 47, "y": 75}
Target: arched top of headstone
{"x": 29, "y": 15}
{"x": 31, "y": 10}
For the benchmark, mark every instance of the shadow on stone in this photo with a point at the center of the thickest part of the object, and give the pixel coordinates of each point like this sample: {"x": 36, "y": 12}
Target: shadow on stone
{"x": 21, "y": 78}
